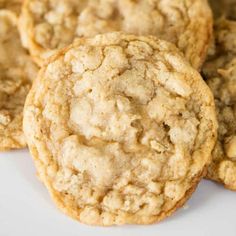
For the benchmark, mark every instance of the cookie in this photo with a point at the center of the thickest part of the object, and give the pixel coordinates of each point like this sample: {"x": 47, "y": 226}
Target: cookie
{"x": 13, "y": 5}
{"x": 121, "y": 129}
{"x": 16, "y": 71}
{"x": 220, "y": 74}
{"x": 51, "y": 24}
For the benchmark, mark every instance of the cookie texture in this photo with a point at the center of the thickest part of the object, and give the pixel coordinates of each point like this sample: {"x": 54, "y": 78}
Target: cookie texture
{"x": 121, "y": 129}
{"x": 16, "y": 72}
{"x": 220, "y": 74}
{"x": 187, "y": 23}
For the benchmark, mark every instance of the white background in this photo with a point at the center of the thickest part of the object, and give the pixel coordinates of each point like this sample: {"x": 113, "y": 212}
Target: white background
{"x": 27, "y": 210}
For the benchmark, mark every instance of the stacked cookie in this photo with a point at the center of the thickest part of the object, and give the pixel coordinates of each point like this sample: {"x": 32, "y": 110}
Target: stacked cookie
{"x": 120, "y": 124}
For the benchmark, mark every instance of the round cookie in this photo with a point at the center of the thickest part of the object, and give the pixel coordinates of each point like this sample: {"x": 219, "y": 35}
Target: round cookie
{"x": 220, "y": 74}
{"x": 51, "y": 24}
{"x": 121, "y": 129}
{"x": 16, "y": 71}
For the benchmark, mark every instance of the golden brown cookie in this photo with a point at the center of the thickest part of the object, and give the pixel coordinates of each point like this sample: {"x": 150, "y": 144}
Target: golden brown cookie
{"x": 16, "y": 71}
{"x": 121, "y": 129}
{"x": 51, "y": 24}
{"x": 220, "y": 74}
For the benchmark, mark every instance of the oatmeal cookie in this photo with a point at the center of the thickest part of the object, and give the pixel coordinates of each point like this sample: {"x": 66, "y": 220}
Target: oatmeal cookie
{"x": 51, "y": 24}
{"x": 121, "y": 129}
{"x": 220, "y": 74}
{"x": 16, "y": 71}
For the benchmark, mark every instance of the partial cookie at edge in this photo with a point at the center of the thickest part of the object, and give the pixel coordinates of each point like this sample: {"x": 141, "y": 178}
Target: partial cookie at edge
{"x": 186, "y": 23}
{"x": 220, "y": 74}
{"x": 16, "y": 72}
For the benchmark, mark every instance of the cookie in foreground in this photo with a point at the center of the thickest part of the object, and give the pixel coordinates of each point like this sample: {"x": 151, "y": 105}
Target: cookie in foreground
{"x": 121, "y": 129}
{"x": 52, "y": 24}
{"x": 16, "y": 72}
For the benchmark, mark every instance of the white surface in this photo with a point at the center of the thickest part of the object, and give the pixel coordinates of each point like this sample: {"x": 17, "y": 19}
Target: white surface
{"x": 27, "y": 210}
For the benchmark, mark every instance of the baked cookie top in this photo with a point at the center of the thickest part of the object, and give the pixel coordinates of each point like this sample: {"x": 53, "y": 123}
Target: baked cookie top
{"x": 121, "y": 129}
{"x": 13, "y": 5}
{"x": 51, "y": 24}
{"x": 16, "y": 71}
{"x": 220, "y": 74}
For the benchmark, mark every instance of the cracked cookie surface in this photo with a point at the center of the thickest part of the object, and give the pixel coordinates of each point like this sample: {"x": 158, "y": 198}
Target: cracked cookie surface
{"x": 187, "y": 24}
{"x": 220, "y": 74}
{"x": 16, "y": 71}
{"x": 121, "y": 129}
